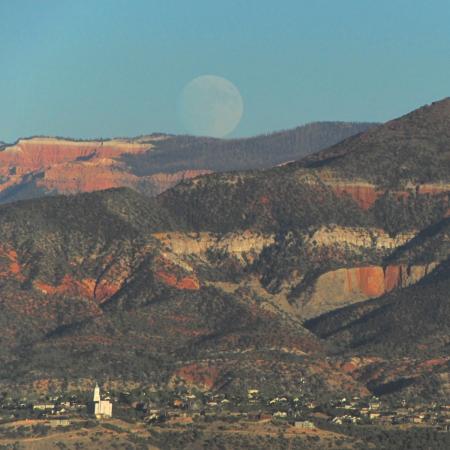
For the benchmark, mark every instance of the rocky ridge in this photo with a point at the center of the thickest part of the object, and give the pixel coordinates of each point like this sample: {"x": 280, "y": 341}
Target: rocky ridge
{"x": 149, "y": 164}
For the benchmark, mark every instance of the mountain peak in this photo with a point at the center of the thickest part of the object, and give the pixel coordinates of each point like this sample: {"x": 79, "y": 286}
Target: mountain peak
{"x": 437, "y": 112}
{"x": 414, "y": 148}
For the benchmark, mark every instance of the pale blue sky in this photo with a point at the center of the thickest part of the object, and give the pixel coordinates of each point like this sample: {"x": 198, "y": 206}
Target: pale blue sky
{"x": 98, "y": 68}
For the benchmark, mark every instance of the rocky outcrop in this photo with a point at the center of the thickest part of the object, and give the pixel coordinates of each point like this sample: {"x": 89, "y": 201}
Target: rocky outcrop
{"x": 68, "y": 167}
{"x": 243, "y": 246}
{"x": 14, "y": 267}
{"x": 196, "y": 375}
{"x": 88, "y": 288}
{"x": 189, "y": 283}
{"x": 68, "y": 286}
{"x": 86, "y": 176}
{"x": 345, "y": 286}
{"x": 64, "y": 166}
{"x": 29, "y": 155}
{"x": 365, "y": 194}
{"x": 163, "y": 181}
{"x": 10, "y": 266}
{"x": 329, "y": 291}
{"x": 375, "y": 238}
{"x": 432, "y": 188}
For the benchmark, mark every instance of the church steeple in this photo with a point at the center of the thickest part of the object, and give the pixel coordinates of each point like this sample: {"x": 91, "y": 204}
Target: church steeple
{"x": 96, "y": 393}
{"x": 102, "y": 408}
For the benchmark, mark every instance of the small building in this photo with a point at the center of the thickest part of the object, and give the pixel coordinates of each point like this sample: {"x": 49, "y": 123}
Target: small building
{"x": 374, "y": 405}
{"x": 102, "y": 408}
{"x": 44, "y": 407}
{"x": 252, "y": 394}
{"x": 60, "y": 422}
{"x": 419, "y": 418}
{"x": 312, "y": 405}
{"x": 154, "y": 415}
{"x": 304, "y": 424}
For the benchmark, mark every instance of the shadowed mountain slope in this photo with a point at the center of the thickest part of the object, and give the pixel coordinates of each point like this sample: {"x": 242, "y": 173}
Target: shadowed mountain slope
{"x": 405, "y": 322}
{"x": 259, "y": 152}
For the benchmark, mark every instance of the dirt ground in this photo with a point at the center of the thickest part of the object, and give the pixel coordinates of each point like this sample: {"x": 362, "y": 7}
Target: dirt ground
{"x": 118, "y": 434}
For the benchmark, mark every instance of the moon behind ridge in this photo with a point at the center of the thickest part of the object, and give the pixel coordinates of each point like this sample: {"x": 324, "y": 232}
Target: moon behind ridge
{"x": 210, "y": 106}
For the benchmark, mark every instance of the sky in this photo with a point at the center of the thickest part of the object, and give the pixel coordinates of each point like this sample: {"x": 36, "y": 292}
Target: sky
{"x": 104, "y": 68}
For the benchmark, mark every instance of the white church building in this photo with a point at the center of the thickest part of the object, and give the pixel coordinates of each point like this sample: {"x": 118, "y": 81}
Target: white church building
{"x": 102, "y": 408}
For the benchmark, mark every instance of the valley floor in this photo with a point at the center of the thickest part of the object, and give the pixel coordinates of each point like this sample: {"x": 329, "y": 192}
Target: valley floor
{"x": 182, "y": 433}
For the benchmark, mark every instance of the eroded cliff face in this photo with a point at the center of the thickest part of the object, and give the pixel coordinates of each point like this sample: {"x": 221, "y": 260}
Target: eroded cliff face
{"x": 242, "y": 246}
{"x": 195, "y": 375}
{"x": 71, "y": 178}
{"x": 86, "y": 176}
{"x": 299, "y": 256}
{"x": 375, "y": 238}
{"x": 163, "y": 181}
{"x": 365, "y": 194}
{"x": 68, "y": 167}
{"x": 93, "y": 277}
{"x": 184, "y": 253}
{"x": 185, "y": 261}
{"x": 345, "y": 286}
{"x": 10, "y": 266}
{"x": 177, "y": 259}
{"x": 336, "y": 266}
{"x": 38, "y": 153}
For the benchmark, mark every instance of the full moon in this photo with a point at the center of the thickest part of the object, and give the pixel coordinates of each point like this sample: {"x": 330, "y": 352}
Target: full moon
{"x": 210, "y": 106}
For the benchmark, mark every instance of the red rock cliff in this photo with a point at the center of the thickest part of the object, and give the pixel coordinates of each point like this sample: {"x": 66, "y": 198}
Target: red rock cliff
{"x": 345, "y": 286}
{"x": 80, "y": 166}
{"x": 365, "y": 194}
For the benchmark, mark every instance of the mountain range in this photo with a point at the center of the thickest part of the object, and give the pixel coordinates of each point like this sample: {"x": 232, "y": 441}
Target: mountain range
{"x": 333, "y": 268}
{"x": 41, "y": 166}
